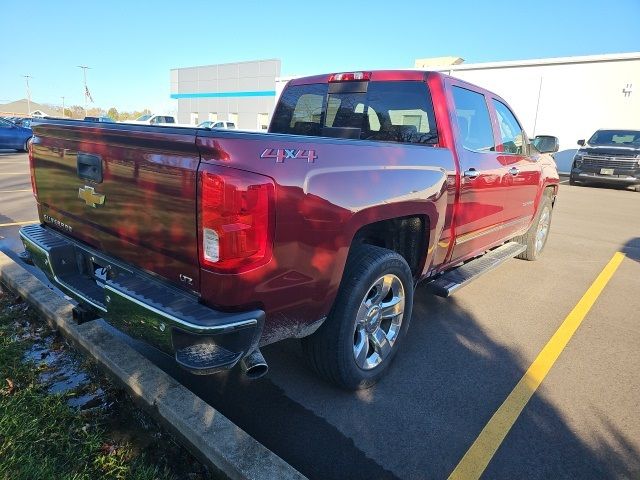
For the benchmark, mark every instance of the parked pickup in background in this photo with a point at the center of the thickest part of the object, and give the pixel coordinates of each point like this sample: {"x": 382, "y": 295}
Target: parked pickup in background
{"x": 151, "y": 119}
{"x": 210, "y": 244}
{"x": 609, "y": 156}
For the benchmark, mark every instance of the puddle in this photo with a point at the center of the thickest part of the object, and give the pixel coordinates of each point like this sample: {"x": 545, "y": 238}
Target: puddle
{"x": 61, "y": 373}
{"x": 88, "y": 401}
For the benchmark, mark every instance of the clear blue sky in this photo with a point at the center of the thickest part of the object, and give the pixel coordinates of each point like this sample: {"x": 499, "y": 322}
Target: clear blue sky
{"x": 131, "y": 45}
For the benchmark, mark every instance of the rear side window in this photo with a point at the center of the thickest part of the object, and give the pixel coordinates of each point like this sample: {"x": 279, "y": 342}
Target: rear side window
{"x": 474, "y": 123}
{"x": 387, "y": 111}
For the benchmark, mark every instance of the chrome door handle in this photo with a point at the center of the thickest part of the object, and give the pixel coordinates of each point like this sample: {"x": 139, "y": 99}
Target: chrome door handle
{"x": 514, "y": 171}
{"x": 471, "y": 173}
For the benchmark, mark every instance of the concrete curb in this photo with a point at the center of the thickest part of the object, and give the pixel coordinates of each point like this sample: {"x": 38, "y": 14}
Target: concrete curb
{"x": 206, "y": 432}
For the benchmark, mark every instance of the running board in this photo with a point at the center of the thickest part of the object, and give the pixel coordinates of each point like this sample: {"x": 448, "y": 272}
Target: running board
{"x": 453, "y": 280}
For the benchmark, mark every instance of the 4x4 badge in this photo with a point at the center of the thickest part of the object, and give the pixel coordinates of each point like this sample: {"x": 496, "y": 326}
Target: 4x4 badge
{"x": 280, "y": 154}
{"x": 90, "y": 197}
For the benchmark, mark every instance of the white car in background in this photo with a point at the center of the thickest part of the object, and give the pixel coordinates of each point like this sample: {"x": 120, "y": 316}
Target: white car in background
{"x": 221, "y": 124}
{"x": 152, "y": 119}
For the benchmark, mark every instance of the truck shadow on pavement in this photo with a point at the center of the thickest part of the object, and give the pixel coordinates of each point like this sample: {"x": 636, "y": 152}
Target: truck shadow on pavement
{"x": 418, "y": 422}
{"x": 632, "y": 249}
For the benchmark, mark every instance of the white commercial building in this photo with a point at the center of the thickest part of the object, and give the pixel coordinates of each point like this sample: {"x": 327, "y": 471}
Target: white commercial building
{"x": 567, "y": 97}
{"x": 242, "y": 93}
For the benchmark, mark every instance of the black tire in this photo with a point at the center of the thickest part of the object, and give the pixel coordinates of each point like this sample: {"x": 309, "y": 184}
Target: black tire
{"x": 572, "y": 181}
{"x": 330, "y": 350}
{"x": 529, "y": 239}
{"x": 26, "y": 145}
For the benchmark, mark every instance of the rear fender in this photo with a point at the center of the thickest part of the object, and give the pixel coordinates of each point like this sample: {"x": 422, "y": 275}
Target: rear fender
{"x": 372, "y": 193}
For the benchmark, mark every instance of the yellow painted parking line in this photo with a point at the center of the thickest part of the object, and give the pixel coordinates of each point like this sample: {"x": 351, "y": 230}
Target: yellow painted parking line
{"x": 12, "y": 191}
{"x": 14, "y": 173}
{"x": 475, "y": 461}
{"x": 15, "y": 224}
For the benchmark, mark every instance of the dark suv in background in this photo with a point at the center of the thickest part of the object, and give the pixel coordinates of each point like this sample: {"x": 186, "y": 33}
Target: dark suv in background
{"x": 609, "y": 156}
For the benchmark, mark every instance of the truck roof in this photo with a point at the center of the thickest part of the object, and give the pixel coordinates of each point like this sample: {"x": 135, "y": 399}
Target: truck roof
{"x": 376, "y": 75}
{"x": 389, "y": 76}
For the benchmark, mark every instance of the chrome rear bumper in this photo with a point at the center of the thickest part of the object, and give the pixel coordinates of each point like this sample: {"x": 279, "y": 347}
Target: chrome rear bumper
{"x": 202, "y": 339}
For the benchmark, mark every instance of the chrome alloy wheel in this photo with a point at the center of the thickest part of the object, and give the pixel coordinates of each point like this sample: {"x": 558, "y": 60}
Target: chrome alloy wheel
{"x": 378, "y": 321}
{"x": 543, "y": 228}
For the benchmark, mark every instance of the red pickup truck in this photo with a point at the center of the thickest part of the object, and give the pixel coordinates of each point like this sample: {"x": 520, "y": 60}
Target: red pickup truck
{"x": 210, "y": 244}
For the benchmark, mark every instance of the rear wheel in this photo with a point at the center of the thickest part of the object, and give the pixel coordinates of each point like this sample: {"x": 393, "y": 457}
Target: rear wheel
{"x": 368, "y": 321}
{"x": 536, "y": 237}
{"x": 27, "y": 142}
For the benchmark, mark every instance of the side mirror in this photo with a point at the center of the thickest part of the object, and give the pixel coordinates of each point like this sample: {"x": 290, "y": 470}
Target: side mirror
{"x": 546, "y": 143}
{"x": 581, "y": 143}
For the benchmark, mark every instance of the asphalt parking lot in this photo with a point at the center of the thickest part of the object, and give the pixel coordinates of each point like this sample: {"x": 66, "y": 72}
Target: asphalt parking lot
{"x": 463, "y": 358}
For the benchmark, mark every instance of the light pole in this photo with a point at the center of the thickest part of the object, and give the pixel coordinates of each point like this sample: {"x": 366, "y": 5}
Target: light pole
{"x": 26, "y": 79}
{"x": 63, "y": 115}
{"x": 86, "y": 90}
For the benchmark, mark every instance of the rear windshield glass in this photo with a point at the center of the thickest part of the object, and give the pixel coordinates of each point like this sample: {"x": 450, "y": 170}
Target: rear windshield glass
{"x": 388, "y": 111}
{"x": 615, "y": 137}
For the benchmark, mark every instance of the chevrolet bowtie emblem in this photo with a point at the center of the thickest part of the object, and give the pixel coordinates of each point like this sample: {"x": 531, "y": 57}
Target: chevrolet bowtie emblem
{"x": 90, "y": 197}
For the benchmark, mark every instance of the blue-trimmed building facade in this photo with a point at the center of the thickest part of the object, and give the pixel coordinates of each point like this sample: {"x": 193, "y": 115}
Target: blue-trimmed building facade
{"x": 243, "y": 93}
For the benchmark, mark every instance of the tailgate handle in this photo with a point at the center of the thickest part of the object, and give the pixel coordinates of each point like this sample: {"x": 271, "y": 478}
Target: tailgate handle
{"x": 90, "y": 167}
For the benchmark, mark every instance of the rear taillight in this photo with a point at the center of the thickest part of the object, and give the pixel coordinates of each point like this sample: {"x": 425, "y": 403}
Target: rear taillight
{"x": 350, "y": 77}
{"x": 236, "y": 219}
{"x": 32, "y": 170}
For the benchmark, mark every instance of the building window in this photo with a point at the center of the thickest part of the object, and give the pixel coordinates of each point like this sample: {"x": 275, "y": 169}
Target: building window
{"x": 233, "y": 118}
{"x": 263, "y": 121}
{"x": 213, "y": 117}
{"x": 194, "y": 118}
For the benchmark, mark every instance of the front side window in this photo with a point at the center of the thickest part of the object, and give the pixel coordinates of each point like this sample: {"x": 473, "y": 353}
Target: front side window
{"x": 511, "y": 133}
{"x": 474, "y": 122}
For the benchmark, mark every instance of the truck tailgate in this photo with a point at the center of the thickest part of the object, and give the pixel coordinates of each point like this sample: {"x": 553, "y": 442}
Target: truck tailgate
{"x": 126, "y": 190}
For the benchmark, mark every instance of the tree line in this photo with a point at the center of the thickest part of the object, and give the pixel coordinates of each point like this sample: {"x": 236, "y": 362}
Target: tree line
{"x": 77, "y": 111}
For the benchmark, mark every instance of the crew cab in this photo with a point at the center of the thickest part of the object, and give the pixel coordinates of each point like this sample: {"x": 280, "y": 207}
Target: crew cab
{"x": 210, "y": 244}
{"x": 610, "y": 156}
{"x": 221, "y": 124}
{"x": 152, "y": 119}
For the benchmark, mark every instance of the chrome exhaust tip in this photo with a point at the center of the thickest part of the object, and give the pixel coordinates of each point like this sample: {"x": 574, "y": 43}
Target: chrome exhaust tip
{"x": 254, "y": 365}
